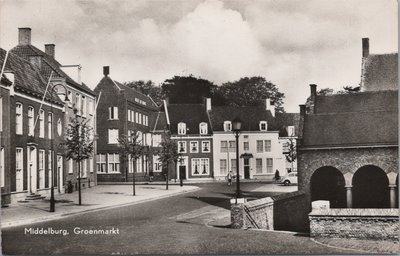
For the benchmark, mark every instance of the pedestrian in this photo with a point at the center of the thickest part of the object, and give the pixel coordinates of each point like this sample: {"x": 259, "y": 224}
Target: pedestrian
{"x": 277, "y": 176}
{"x": 229, "y": 177}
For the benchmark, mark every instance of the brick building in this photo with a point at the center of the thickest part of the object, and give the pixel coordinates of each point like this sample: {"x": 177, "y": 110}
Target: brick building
{"x": 122, "y": 110}
{"x": 27, "y": 125}
{"x": 81, "y": 98}
{"x": 348, "y": 152}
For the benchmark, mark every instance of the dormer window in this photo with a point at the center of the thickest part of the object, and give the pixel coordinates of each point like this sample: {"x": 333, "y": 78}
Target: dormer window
{"x": 290, "y": 131}
{"x": 203, "y": 128}
{"x": 263, "y": 125}
{"x": 227, "y": 126}
{"x": 181, "y": 128}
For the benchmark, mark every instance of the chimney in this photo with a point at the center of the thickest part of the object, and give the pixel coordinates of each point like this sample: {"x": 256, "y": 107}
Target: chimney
{"x": 9, "y": 75}
{"x": 106, "y": 70}
{"x": 24, "y": 36}
{"x": 49, "y": 49}
{"x": 208, "y": 104}
{"x": 313, "y": 88}
{"x": 365, "y": 47}
{"x": 269, "y": 106}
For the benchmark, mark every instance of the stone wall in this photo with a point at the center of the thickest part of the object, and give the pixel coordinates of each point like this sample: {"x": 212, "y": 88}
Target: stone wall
{"x": 282, "y": 212}
{"x": 376, "y": 224}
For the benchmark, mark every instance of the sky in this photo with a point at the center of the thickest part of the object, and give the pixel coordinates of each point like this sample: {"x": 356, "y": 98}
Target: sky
{"x": 292, "y": 43}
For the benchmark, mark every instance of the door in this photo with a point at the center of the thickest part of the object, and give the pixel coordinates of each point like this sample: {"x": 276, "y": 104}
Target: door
{"x": 32, "y": 169}
{"x": 246, "y": 168}
{"x": 60, "y": 172}
{"x": 182, "y": 172}
{"x": 19, "y": 169}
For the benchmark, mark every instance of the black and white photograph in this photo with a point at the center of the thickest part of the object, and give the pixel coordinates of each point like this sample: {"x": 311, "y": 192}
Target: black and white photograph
{"x": 199, "y": 127}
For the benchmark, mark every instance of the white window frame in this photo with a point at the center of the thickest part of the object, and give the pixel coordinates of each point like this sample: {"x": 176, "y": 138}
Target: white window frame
{"x": 42, "y": 166}
{"x": 19, "y": 122}
{"x": 129, "y": 115}
{"x": 69, "y": 93}
{"x": 137, "y": 117}
{"x": 259, "y": 165}
{"x": 202, "y": 162}
{"x": 49, "y": 166}
{"x": 270, "y": 168}
{"x": 203, "y": 144}
{"x": 78, "y": 103}
{"x": 227, "y": 126}
{"x": 233, "y": 165}
{"x": 50, "y": 125}
{"x": 291, "y": 131}
{"x": 91, "y": 170}
{"x": 41, "y": 123}
{"x": 113, "y": 113}
{"x": 232, "y": 145}
{"x": 184, "y": 147}
{"x": 101, "y": 162}
{"x": 246, "y": 145}
{"x": 182, "y": 128}
{"x": 2, "y": 171}
{"x": 114, "y": 161}
{"x": 263, "y": 126}
{"x": 223, "y": 167}
{"x": 223, "y": 148}
{"x": 197, "y": 147}
{"x": 1, "y": 113}
{"x": 113, "y": 136}
{"x": 90, "y": 107}
{"x": 59, "y": 127}
{"x": 83, "y": 103}
{"x": 70, "y": 166}
{"x": 203, "y": 128}
{"x": 267, "y": 145}
{"x": 31, "y": 121}
{"x": 259, "y": 146}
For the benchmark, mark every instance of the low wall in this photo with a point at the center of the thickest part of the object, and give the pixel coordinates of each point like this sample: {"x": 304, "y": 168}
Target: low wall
{"x": 376, "y": 224}
{"x": 283, "y": 212}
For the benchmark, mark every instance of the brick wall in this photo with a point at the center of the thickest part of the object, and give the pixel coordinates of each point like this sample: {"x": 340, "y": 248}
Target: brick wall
{"x": 376, "y": 224}
{"x": 282, "y": 212}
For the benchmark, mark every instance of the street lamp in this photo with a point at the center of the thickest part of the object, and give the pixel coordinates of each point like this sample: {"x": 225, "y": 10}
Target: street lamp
{"x": 236, "y": 128}
{"x": 52, "y": 201}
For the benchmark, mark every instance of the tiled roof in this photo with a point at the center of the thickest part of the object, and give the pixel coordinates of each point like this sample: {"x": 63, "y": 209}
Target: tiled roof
{"x": 27, "y": 76}
{"x": 380, "y": 72}
{"x": 283, "y": 120}
{"x": 158, "y": 121}
{"x": 191, "y": 114}
{"x": 249, "y": 115}
{"x": 48, "y": 64}
{"x": 368, "y": 118}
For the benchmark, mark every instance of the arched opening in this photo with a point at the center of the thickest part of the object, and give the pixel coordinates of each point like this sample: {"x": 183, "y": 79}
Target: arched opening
{"x": 327, "y": 183}
{"x": 370, "y": 188}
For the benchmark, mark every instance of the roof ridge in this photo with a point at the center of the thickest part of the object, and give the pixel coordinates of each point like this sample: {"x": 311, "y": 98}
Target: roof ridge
{"x": 349, "y": 112}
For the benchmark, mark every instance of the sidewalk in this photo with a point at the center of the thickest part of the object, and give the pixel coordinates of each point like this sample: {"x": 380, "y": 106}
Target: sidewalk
{"x": 95, "y": 198}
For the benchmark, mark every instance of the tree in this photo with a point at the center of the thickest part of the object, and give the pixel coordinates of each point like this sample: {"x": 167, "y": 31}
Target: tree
{"x": 168, "y": 154}
{"x": 79, "y": 143}
{"x": 291, "y": 156}
{"x": 131, "y": 148}
{"x": 187, "y": 89}
{"x": 349, "y": 89}
{"x": 250, "y": 91}
{"x": 148, "y": 88}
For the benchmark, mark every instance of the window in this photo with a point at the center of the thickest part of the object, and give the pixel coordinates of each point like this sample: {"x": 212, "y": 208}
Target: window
{"x": 200, "y": 166}
{"x": 258, "y": 165}
{"x": 113, "y": 113}
{"x": 137, "y": 117}
{"x": 246, "y": 145}
{"x": 270, "y": 168}
{"x": 78, "y": 103}
{"x": 181, "y": 128}
{"x": 194, "y": 147}
{"x": 50, "y": 125}
{"x": 263, "y": 125}
{"x": 69, "y": 93}
{"x": 205, "y": 146}
{"x": 139, "y": 120}
{"x": 129, "y": 115}
{"x": 41, "y": 168}
{"x": 84, "y": 168}
{"x": 145, "y": 120}
{"x": 70, "y": 166}
{"x": 101, "y": 163}
{"x": 59, "y": 127}
{"x": 31, "y": 121}
{"x": 1, "y": 114}
{"x": 83, "y": 104}
{"x": 41, "y": 123}
{"x": 267, "y": 144}
{"x": 2, "y": 177}
{"x": 290, "y": 130}
{"x": 90, "y": 107}
{"x": 130, "y": 163}
{"x": 233, "y": 165}
{"x": 227, "y": 126}
{"x": 224, "y": 146}
{"x": 139, "y": 165}
{"x": 157, "y": 140}
{"x": 90, "y": 164}
{"x": 223, "y": 167}
{"x": 113, "y": 163}
{"x": 157, "y": 166}
{"x": 259, "y": 146}
{"x": 132, "y": 116}
{"x": 113, "y": 136}
{"x": 203, "y": 128}
{"x": 49, "y": 166}
{"x": 18, "y": 118}
{"x": 182, "y": 146}
{"x": 232, "y": 146}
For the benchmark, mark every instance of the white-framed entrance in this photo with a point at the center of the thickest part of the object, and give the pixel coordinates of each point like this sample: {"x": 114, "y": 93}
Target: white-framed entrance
{"x": 60, "y": 176}
{"x": 182, "y": 166}
{"x": 32, "y": 169}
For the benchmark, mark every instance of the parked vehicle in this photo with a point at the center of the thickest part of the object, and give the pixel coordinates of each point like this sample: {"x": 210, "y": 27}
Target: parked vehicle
{"x": 290, "y": 178}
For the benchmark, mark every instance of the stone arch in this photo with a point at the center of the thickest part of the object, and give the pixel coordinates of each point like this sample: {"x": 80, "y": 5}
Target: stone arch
{"x": 370, "y": 188}
{"x": 328, "y": 183}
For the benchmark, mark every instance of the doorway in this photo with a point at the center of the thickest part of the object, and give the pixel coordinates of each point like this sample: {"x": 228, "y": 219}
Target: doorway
{"x": 60, "y": 172}
{"x": 32, "y": 169}
{"x": 246, "y": 168}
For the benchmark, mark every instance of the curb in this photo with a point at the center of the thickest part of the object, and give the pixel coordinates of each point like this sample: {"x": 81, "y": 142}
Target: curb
{"x": 63, "y": 215}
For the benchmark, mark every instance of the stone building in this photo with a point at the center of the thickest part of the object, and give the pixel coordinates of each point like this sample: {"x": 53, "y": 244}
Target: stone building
{"x": 81, "y": 98}
{"x": 122, "y": 110}
{"x": 27, "y": 125}
{"x": 348, "y": 152}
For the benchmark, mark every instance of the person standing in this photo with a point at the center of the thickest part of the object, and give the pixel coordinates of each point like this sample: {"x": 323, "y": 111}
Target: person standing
{"x": 229, "y": 177}
{"x": 277, "y": 176}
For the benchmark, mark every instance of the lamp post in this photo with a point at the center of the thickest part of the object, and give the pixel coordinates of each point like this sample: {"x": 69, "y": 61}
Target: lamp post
{"x": 236, "y": 128}
{"x": 52, "y": 201}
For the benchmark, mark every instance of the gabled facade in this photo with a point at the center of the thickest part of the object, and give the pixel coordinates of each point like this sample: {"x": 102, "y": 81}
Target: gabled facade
{"x": 28, "y": 123}
{"x": 81, "y": 98}
{"x": 122, "y": 110}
